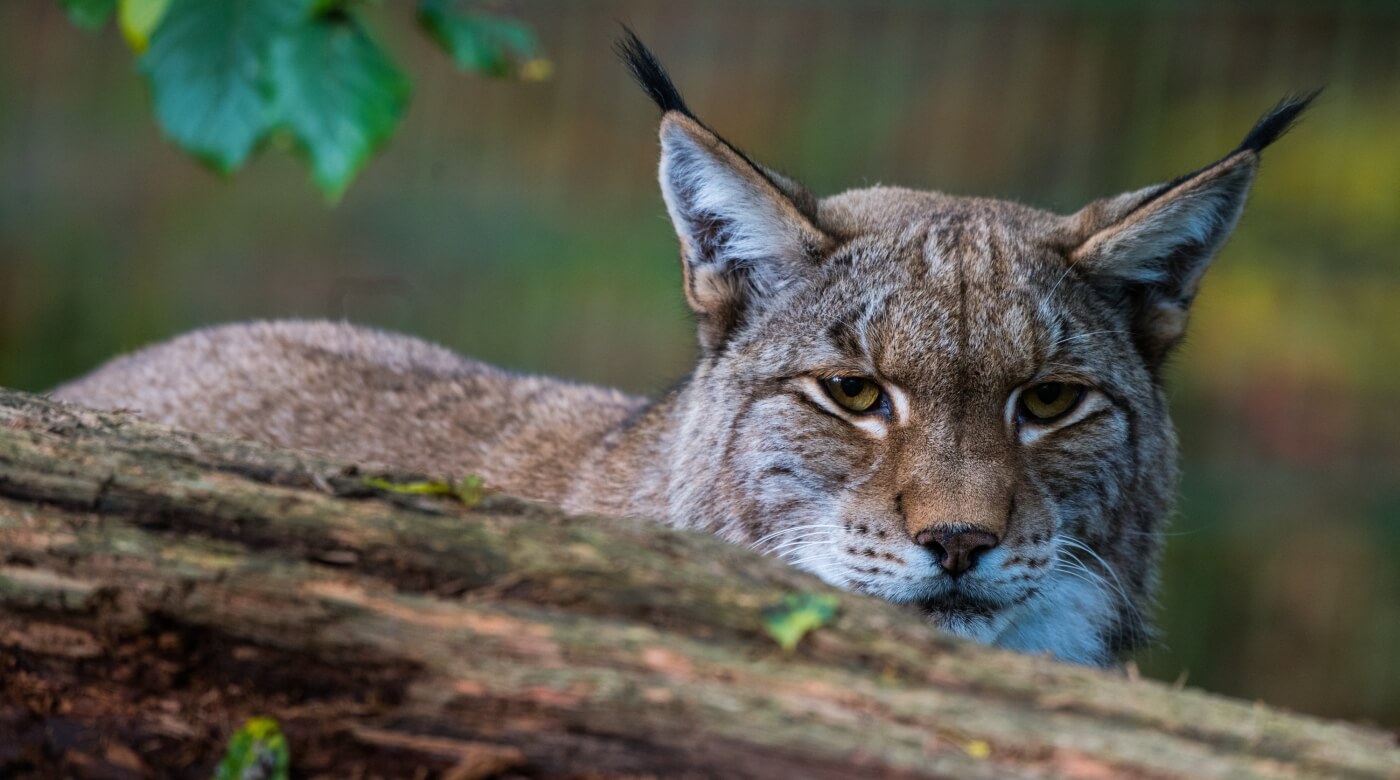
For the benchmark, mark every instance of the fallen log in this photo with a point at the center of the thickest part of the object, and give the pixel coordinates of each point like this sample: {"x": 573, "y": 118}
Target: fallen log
{"x": 157, "y": 588}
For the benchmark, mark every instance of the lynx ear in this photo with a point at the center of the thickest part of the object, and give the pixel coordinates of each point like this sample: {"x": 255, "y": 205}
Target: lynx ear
{"x": 745, "y": 232}
{"x": 742, "y": 239}
{"x": 1149, "y": 248}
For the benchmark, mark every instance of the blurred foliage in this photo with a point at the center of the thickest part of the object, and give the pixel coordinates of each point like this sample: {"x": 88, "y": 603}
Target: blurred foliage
{"x": 487, "y": 43}
{"x": 138, "y": 19}
{"x": 521, "y": 224}
{"x": 469, "y": 491}
{"x": 228, "y": 74}
{"x": 257, "y": 751}
{"x": 797, "y": 616}
{"x": 89, "y": 14}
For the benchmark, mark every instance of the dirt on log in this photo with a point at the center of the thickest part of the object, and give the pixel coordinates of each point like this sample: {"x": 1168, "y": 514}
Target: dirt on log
{"x": 157, "y": 588}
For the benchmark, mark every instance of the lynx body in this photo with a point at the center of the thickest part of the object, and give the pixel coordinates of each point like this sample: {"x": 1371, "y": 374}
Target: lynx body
{"x": 949, "y": 402}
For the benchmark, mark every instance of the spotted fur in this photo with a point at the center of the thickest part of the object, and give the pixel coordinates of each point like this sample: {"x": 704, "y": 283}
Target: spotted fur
{"x": 954, "y": 306}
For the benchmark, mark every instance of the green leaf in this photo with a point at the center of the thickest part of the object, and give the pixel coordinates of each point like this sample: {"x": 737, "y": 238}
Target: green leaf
{"x": 797, "y": 615}
{"x": 494, "y": 45}
{"x": 338, "y": 93}
{"x": 89, "y": 14}
{"x": 205, "y": 64}
{"x": 138, "y": 19}
{"x": 258, "y": 751}
{"x": 469, "y": 491}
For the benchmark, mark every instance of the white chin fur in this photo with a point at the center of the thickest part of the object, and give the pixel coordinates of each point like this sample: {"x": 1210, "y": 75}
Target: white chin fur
{"x": 1064, "y": 621}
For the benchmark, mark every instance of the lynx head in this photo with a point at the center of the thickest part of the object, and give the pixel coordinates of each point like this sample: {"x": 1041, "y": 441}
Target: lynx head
{"x": 950, "y": 402}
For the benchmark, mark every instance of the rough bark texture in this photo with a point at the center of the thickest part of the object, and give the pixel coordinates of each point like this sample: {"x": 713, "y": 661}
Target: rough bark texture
{"x": 157, "y": 588}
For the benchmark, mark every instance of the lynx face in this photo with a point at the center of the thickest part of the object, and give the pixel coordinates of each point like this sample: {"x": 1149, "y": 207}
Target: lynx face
{"x": 999, "y": 454}
{"x": 948, "y": 402}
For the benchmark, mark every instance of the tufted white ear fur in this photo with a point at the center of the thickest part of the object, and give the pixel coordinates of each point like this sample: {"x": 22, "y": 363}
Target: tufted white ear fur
{"x": 1153, "y": 227}
{"x": 1149, "y": 248}
{"x": 743, "y": 236}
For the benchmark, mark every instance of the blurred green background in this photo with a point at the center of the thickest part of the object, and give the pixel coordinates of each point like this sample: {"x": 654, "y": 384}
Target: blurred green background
{"x": 520, "y": 223}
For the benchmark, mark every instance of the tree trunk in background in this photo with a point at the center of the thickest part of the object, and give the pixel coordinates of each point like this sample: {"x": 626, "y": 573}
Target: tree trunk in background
{"x": 158, "y": 588}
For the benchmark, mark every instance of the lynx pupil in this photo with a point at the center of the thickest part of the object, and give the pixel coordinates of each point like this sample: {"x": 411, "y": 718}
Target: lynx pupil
{"x": 1049, "y": 400}
{"x": 853, "y": 393}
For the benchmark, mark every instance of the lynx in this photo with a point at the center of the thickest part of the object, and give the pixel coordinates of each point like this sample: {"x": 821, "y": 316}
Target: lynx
{"x": 952, "y": 403}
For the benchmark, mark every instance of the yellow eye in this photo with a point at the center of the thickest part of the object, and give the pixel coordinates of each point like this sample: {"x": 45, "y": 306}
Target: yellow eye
{"x": 854, "y": 393}
{"x": 1050, "y": 401}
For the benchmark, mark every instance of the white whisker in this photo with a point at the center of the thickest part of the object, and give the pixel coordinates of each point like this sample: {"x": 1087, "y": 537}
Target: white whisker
{"x": 792, "y": 530}
{"x": 1069, "y": 269}
{"x": 797, "y": 543}
{"x": 821, "y": 559}
{"x": 792, "y": 550}
{"x": 1118, "y": 582}
{"x": 1087, "y": 577}
{"x": 1155, "y": 534}
{"x": 1078, "y": 336}
{"x": 1074, "y": 576}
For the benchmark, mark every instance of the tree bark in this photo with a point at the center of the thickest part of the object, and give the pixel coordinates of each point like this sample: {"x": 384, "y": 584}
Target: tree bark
{"x": 157, "y": 588}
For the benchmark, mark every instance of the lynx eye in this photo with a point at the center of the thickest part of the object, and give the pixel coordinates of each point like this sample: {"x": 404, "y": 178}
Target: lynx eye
{"x": 1050, "y": 401}
{"x": 853, "y": 393}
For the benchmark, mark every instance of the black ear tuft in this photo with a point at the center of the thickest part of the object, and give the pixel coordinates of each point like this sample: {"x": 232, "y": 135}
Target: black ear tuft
{"x": 1278, "y": 121}
{"x": 649, "y": 73}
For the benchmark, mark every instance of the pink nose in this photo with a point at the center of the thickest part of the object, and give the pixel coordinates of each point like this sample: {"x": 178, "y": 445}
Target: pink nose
{"x": 956, "y": 548}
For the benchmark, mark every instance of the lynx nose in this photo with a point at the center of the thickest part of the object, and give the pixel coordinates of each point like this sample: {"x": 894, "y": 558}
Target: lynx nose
{"x": 957, "y": 549}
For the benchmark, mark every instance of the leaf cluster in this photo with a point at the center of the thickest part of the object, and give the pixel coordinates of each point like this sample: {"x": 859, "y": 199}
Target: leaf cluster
{"x": 226, "y": 76}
